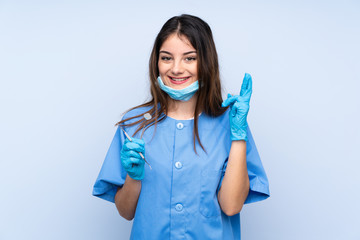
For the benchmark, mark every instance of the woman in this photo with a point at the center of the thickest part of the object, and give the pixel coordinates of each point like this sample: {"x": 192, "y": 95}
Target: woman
{"x": 202, "y": 164}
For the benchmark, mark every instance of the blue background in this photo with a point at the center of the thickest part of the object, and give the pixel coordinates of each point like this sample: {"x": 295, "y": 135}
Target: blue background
{"x": 68, "y": 69}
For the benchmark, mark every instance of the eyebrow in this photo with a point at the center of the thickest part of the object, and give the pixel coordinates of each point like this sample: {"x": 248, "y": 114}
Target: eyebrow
{"x": 183, "y": 54}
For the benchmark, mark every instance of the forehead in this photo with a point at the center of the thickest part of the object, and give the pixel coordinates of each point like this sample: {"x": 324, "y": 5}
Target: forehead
{"x": 177, "y": 43}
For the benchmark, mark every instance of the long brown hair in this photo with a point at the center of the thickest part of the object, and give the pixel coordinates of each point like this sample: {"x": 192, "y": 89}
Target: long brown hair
{"x": 209, "y": 98}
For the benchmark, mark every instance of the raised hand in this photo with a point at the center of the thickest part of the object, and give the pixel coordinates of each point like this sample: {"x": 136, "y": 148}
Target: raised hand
{"x": 239, "y": 108}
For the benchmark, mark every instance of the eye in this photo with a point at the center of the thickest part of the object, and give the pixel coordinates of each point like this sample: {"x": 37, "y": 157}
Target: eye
{"x": 165, "y": 58}
{"x": 189, "y": 59}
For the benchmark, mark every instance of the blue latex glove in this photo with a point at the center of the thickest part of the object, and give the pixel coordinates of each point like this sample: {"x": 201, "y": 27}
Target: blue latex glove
{"x": 131, "y": 159}
{"x": 239, "y": 108}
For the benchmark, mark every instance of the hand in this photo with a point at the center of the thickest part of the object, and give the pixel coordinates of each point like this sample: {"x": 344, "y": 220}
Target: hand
{"x": 131, "y": 159}
{"x": 239, "y": 108}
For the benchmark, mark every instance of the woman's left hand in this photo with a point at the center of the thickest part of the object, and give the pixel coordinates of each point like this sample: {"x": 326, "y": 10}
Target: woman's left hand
{"x": 239, "y": 108}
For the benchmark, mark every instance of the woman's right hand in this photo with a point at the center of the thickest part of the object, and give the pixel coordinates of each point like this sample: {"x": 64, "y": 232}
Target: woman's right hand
{"x": 131, "y": 159}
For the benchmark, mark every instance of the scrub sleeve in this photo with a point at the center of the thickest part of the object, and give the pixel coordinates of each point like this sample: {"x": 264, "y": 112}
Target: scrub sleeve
{"x": 112, "y": 175}
{"x": 259, "y": 184}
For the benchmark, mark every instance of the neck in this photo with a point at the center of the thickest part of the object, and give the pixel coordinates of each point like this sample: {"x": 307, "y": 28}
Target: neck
{"x": 181, "y": 110}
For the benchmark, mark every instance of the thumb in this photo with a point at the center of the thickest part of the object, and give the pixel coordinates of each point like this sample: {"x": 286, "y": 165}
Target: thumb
{"x": 229, "y": 101}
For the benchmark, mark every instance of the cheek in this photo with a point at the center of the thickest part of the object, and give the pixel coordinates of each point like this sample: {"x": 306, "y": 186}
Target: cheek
{"x": 162, "y": 69}
{"x": 194, "y": 70}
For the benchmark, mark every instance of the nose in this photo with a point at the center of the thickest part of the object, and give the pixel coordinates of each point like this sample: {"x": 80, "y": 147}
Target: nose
{"x": 177, "y": 68}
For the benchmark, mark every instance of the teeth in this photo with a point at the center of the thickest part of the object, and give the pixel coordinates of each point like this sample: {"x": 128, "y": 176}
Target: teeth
{"x": 179, "y": 79}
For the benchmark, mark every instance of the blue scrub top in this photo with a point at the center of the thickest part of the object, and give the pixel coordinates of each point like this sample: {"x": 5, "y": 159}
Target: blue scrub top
{"x": 178, "y": 198}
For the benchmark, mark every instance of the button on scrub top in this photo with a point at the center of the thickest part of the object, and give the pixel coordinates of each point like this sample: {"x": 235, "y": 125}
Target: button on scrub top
{"x": 178, "y": 198}
{"x": 178, "y": 165}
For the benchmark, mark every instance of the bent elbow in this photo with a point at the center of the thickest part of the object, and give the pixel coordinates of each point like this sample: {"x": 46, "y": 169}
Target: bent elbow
{"x": 125, "y": 213}
{"x": 232, "y": 211}
{"x": 127, "y": 216}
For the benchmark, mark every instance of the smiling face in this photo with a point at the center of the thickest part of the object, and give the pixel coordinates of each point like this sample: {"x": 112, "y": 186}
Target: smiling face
{"x": 177, "y": 62}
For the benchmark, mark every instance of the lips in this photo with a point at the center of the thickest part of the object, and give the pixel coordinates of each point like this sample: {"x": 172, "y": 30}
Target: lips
{"x": 178, "y": 80}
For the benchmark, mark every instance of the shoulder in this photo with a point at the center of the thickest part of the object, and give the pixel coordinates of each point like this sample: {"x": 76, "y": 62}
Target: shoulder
{"x": 135, "y": 114}
{"x": 221, "y": 120}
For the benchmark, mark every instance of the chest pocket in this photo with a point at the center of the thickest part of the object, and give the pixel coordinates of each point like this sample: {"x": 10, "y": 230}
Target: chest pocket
{"x": 209, "y": 205}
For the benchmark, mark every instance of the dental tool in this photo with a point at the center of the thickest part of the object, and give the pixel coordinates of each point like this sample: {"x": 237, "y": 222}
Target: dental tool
{"x": 147, "y": 117}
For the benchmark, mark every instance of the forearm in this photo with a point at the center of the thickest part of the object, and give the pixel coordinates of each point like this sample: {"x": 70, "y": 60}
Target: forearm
{"x": 235, "y": 184}
{"x": 127, "y": 197}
